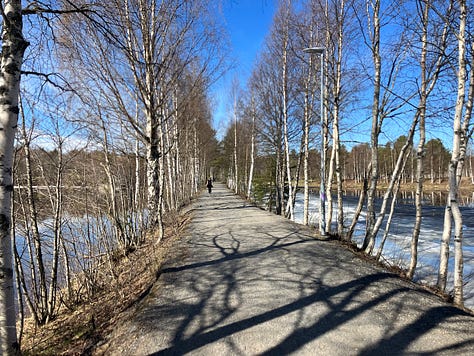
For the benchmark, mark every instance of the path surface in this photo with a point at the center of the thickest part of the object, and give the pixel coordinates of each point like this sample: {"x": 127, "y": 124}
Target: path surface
{"x": 247, "y": 282}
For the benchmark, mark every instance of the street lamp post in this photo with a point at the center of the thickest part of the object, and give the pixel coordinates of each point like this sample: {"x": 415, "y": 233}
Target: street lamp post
{"x": 322, "y": 190}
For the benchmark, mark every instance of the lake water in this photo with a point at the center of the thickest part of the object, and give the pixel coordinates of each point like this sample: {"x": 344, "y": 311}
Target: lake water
{"x": 397, "y": 247}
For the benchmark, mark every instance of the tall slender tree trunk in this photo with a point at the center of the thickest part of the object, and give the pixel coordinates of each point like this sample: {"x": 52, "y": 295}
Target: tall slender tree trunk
{"x": 427, "y": 85}
{"x": 136, "y": 196}
{"x": 152, "y": 159}
{"x": 399, "y": 166}
{"x": 421, "y": 148}
{"x": 328, "y": 193}
{"x": 369, "y": 240}
{"x": 53, "y": 284}
{"x": 307, "y": 127}
{"x": 161, "y": 172}
{"x": 11, "y": 59}
{"x": 336, "y": 119}
{"x": 460, "y": 137}
{"x": 278, "y": 176}
{"x": 113, "y": 200}
{"x": 360, "y": 205}
{"x": 389, "y": 219}
{"x": 340, "y": 206}
{"x": 444, "y": 249}
{"x": 39, "y": 282}
{"x": 195, "y": 172}
{"x": 308, "y": 108}
{"x": 236, "y": 163}
{"x": 284, "y": 89}
{"x": 252, "y": 150}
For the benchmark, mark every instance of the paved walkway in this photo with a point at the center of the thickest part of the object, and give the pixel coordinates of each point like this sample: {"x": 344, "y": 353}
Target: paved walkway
{"x": 247, "y": 282}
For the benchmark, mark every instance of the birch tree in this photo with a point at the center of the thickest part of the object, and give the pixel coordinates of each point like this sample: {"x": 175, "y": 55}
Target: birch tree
{"x": 340, "y": 10}
{"x": 461, "y": 134}
{"x": 11, "y": 59}
{"x": 385, "y": 103}
{"x": 284, "y": 90}
{"x": 279, "y": 61}
{"x": 369, "y": 240}
{"x": 429, "y": 76}
{"x": 307, "y": 109}
{"x": 339, "y": 33}
{"x": 252, "y": 112}
{"x": 235, "y": 99}
{"x": 265, "y": 80}
{"x": 141, "y": 50}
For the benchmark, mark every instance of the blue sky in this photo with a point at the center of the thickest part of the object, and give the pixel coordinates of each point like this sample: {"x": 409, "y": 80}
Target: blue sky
{"x": 248, "y": 22}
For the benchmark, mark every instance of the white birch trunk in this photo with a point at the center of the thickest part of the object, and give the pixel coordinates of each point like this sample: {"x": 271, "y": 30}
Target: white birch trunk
{"x": 195, "y": 158}
{"x": 252, "y": 152}
{"x": 236, "y": 165}
{"x": 284, "y": 83}
{"x": 136, "y": 196}
{"x": 444, "y": 250}
{"x": 456, "y": 166}
{"x": 400, "y": 164}
{"x": 161, "y": 179}
{"x": 308, "y": 100}
{"x": 306, "y": 147}
{"x": 369, "y": 240}
{"x": 11, "y": 58}
{"x": 278, "y": 176}
{"x": 340, "y": 206}
{"x": 421, "y": 147}
{"x": 336, "y": 112}
{"x": 427, "y": 85}
{"x": 152, "y": 173}
{"x": 38, "y": 282}
{"x": 329, "y": 203}
{"x": 389, "y": 219}
{"x": 418, "y": 199}
{"x": 53, "y": 286}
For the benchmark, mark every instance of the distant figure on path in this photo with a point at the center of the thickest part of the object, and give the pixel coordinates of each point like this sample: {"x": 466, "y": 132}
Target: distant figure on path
{"x": 209, "y": 185}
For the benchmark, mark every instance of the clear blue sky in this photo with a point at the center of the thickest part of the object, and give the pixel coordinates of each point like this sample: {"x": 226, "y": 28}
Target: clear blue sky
{"x": 248, "y": 22}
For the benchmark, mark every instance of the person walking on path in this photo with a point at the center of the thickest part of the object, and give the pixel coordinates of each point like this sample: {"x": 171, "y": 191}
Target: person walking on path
{"x": 209, "y": 185}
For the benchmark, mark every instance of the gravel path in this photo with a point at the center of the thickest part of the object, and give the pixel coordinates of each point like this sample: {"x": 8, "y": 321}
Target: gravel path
{"x": 247, "y": 282}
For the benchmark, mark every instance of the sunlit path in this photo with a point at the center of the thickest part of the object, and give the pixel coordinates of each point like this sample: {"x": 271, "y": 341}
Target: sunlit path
{"x": 246, "y": 282}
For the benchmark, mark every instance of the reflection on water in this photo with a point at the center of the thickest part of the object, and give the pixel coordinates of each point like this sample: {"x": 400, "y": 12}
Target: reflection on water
{"x": 407, "y": 197}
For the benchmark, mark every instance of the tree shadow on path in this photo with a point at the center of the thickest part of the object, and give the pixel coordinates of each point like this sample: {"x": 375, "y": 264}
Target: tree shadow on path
{"x": 313, "y": 289}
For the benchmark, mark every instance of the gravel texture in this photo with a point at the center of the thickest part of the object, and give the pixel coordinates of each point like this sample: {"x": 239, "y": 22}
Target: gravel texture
{"x": 247, "y": 282}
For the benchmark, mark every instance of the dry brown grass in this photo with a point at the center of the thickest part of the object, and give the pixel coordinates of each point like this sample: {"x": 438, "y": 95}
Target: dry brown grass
{"x": 78, "y": 332}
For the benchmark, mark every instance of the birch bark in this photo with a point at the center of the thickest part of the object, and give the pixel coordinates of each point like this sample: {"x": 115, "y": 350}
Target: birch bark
{"x": 236, "y": 166}
{"x": 307, "y": 127}
{"x": 284, "y": 88}
{"x": 369, "y": 240}
{"x": 427, "y": 85}
{"x": 460, "y": 141}
{"x": 252, "y": 148}
{"x": 11, "y": 59}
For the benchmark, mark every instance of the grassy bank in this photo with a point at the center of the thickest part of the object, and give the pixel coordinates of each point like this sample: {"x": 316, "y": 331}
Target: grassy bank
{"x": 126, "y": 280}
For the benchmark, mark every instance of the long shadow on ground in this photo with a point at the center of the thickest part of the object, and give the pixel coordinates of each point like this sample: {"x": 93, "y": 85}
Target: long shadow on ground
{"x": 238, "y": 278}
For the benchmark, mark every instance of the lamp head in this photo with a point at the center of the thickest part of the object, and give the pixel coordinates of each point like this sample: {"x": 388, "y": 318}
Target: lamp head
{"x": 319, "y": 50}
